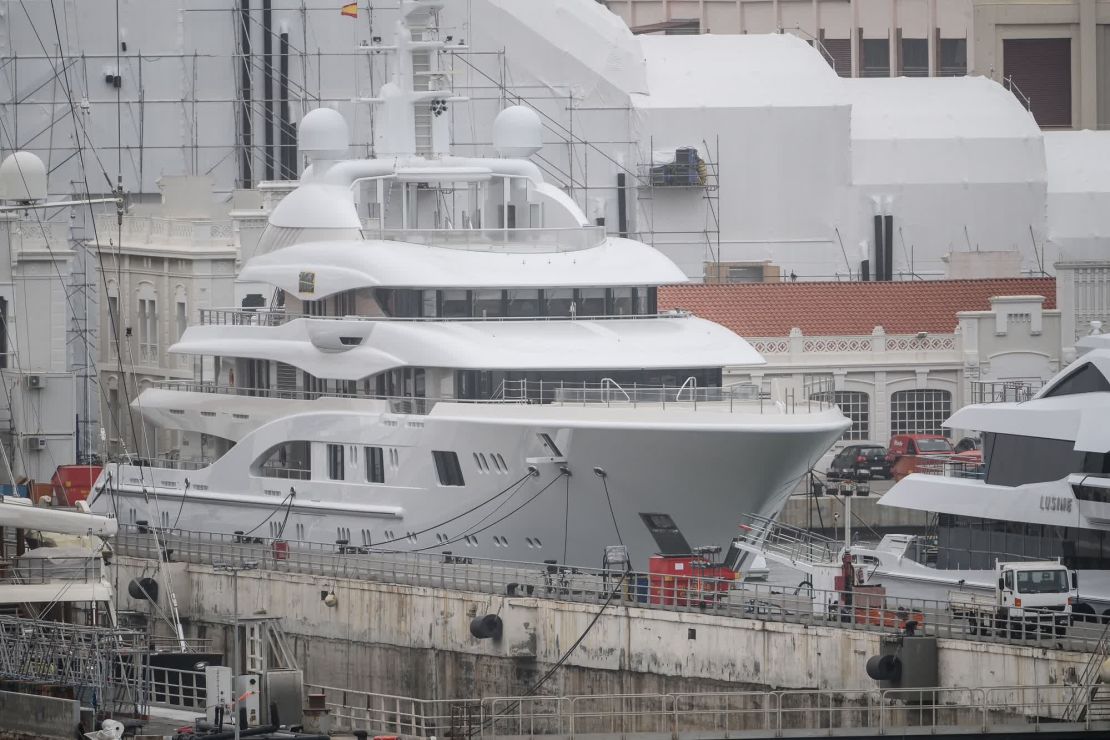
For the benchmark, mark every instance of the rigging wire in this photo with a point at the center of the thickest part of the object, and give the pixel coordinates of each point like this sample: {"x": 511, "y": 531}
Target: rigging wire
{"x": 612, "y": 513}
{"x": 495, "y": 522}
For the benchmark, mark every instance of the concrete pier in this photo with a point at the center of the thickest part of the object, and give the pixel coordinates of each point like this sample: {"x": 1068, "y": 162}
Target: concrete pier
{"x": 415, "y": 641}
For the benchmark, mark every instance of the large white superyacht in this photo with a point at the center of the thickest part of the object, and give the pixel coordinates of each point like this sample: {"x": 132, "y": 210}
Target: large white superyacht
{"x": 452, "y": 357}
{"x": 1043, "y": 492}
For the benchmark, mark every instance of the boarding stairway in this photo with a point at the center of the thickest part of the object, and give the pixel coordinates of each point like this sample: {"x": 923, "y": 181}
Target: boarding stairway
{"x": 1092, "y": 691}
{"x": 786, "y": 544}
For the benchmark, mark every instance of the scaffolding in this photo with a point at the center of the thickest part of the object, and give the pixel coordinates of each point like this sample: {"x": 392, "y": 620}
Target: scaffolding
{"x": 103, "y": 668}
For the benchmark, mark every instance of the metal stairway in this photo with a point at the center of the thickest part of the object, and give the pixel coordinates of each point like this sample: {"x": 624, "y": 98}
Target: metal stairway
{"x": 1091, "y": 698}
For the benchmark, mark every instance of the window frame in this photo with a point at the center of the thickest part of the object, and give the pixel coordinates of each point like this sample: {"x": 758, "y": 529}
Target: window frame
{"x": 374, "y": 459}
{"x": 336, "y": 459}
{"x": 448, "y": 469}
{"x": 920, "y": 411}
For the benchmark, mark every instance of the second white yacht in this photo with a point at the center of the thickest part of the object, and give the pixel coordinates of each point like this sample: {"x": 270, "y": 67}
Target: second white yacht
{"x": 1043, "y": 493}
{"x": 466, "y": 365}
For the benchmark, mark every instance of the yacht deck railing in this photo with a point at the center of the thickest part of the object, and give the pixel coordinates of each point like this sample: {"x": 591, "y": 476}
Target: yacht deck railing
{"x": 744, "y": 397}
{"x": 1012, "y": 390}
{"x": 513, "y": 240}
{"x": 269, "y": 317}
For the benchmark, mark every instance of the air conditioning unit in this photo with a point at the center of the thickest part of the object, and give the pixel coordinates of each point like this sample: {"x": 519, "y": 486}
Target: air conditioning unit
{"x": 36, "y": 444}
{"x": 35, "y": 382}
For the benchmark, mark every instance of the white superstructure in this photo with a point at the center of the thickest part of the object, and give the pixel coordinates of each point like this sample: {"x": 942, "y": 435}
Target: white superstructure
{"x": 450, "y": 356}
{"x": 1043, "y": 493}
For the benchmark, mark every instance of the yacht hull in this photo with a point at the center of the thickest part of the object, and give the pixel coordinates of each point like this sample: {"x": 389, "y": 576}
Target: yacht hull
{"x": 577, "y": 499}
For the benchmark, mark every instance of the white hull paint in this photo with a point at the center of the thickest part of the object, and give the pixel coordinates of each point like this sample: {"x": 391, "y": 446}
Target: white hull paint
{"x": 704, "y": 469}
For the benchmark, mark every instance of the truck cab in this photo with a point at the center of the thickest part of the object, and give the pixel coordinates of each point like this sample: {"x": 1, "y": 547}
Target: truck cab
{"x": 1029, "y": 597}
{"x": 1036, "y": 585}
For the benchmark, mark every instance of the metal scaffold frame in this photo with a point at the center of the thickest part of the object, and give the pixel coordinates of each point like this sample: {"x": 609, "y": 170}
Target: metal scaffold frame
{"x": 102, "y": 667}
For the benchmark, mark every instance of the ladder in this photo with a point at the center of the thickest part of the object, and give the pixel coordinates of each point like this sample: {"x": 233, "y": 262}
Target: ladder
{"x": 1091, "y": 698}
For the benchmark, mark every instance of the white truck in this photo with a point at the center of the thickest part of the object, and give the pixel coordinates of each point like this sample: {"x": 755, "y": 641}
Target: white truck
{"x": 1030, "y": 598}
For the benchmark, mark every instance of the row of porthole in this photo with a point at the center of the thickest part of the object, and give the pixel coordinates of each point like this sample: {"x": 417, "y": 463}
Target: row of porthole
{"x": 442, "y": 539}
{"x": 483, "y": 464}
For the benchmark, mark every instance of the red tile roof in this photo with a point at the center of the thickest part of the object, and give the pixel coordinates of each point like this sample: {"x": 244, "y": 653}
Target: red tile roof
{"x": 852, "y": 308}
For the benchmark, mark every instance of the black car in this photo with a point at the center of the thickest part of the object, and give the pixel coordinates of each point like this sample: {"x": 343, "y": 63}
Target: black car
{"x": 859, "y": 461}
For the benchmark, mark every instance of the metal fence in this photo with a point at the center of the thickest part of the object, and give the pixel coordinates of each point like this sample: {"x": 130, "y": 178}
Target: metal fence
{"x": 694, "y": 593}
{"x": 735, "y": 714}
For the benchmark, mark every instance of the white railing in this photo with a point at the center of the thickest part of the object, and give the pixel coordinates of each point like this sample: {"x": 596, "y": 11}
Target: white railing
{"x": 277, "y": 317}
{"x": 1011, "y": 390}
{"x": 500, "y": 240}
{"x": 739, "y": 398}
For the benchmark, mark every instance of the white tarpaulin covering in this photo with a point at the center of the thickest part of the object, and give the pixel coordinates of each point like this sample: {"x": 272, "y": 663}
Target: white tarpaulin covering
{"x": 1079, "y": 193}
{"x": 957, "y": 161}
{"x": 768, "y": 114}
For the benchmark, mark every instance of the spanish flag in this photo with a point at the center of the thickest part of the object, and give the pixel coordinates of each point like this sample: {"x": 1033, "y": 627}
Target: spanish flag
{"x": 350, "y": 10}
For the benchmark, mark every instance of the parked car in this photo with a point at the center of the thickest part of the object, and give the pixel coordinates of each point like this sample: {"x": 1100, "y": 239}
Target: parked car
{"x": 918, "y": 453}
{"x": 969, "y": 444}
{"x": 861, "y": 460}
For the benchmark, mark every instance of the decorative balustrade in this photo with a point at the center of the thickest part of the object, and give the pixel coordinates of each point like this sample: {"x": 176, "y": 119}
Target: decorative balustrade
{"x": 876, "y": 343}
{"x": 155, "y": 229}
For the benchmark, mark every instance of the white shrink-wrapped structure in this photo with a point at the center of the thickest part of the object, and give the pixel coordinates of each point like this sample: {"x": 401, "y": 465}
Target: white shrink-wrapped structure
{"x": 771, "y": 113}
{"x": 957, "y": 161}
{"x": 1078, "y": 164}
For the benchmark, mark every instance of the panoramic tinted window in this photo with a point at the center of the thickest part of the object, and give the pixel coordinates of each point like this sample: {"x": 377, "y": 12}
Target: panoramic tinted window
{"x": 1014, "y": 460}
{"x": 1086, "y": 379}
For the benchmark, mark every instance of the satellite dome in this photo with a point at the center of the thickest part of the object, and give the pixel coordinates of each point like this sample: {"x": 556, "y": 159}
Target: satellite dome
{"x": 517, "y": 132}
{"x": 323, "y": 134}
{"x": 22, "y": 177}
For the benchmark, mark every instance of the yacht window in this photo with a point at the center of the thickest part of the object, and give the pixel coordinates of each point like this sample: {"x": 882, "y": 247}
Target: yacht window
{"x": 344, "y": 303}
{"x": 622, "y": 302}
{"x": 455, "y": 304}
{"x": 335, "y": 462}
{"x": 448, "y": 469}
{"x": 523, "y": 303}
{"x": 375, "y": 465}
{"x": 288, "y": 460}
{"x": 1096, "y": 463}
{"x": 591, "y": 302}
{"x": 1086, "y": 379}
{"x": 397, "y": 303}
{"x": 314, "y": 308}
{"x": 488, "y": 303}
{"x": 430, "y": 304}
{"x": 645, "y": 300}
{"x": 557, "y": 301}
{"x": 1014, "y": 460}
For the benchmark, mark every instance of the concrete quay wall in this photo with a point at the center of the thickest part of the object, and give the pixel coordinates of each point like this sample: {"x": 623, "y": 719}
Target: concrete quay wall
{"x": 37, "y": 717}
{"x": 415, "y": 641}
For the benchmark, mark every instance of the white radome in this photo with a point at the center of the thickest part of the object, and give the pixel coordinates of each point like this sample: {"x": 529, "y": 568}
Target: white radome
{"x": 517, "y": 132}
{"x": 22, "y": 177}
{"x": 323, "y": 134}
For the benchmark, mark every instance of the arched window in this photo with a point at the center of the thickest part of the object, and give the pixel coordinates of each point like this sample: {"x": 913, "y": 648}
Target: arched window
{"x": 920, "y": 411}
{"x": 856, "y": 405}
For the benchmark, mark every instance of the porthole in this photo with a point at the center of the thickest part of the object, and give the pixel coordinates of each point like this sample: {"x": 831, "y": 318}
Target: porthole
{"x": 539, "y": 545}
{"x": 528, "y": 541}
{"x": 501, "y": 461}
